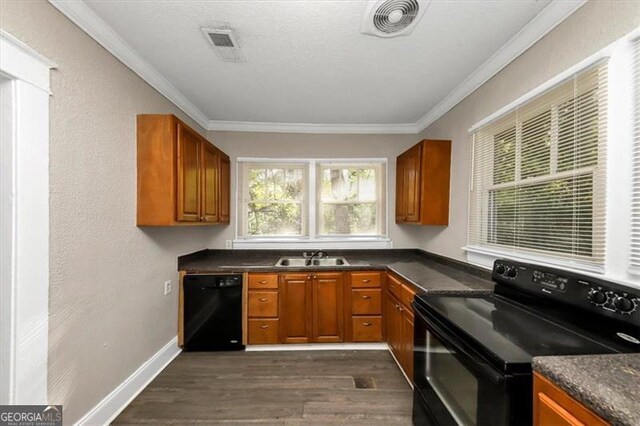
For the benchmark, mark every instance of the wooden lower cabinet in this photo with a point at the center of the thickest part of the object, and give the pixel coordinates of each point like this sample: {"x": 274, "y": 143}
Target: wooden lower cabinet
{"x": 296, "y": 305}
{"x": 327, "y": 318}
{"x": 263, "y": 309}
{"x": 398, "y": 314}
{"x": 312, "y": 307}
{"x": 363, "y": 309}
{"x": 553, "y": 406}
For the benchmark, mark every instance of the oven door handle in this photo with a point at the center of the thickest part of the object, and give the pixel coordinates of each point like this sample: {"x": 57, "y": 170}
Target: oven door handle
{"x": 447, "y": 338}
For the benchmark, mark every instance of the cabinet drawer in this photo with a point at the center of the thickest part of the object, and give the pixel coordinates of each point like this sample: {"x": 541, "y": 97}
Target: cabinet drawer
{"x": 260, "y": 281}
{"x": 263, "y": 304}
{"x": 394, "y": 286}
{"x": 263, "y": 331}
{"x": 366, "y": 279}
{"x": 367, "y": 329}
{"x": 366, "y": 301}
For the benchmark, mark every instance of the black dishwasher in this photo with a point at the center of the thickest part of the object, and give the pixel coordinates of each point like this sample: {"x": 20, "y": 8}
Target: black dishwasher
{"x": 213, "y": 312}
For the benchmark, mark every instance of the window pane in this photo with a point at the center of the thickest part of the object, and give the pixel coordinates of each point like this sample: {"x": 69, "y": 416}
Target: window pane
{"x": 348, "y": 184}
{"x": 536, "y": 146}
{"x": 275, "y": 219}
{"x": 504, "y": 156}
{"x": 553, "y": 216}
{"x": 578, "y": 132}
{"x": 346, "y": 219}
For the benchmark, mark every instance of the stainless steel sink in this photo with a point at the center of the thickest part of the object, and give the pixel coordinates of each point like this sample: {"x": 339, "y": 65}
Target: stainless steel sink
{"x": 300, "y": 262}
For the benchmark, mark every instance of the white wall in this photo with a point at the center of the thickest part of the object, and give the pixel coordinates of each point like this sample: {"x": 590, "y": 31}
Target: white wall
{"x": 593, "y": 27}
{"x": 108, "y": 314}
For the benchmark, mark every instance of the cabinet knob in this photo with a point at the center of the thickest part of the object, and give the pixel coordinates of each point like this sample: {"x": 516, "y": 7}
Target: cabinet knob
{"x": 366, "y": 297}
{"x": 263, "y": 282}
{"x": 263, "y": 299}
{"x": 367, "y": 324}
{"x": 308, "y": 277}
{"x": 366, "y": 281}
{"x": 315, "y": 277}
{"x": 264, "y": 327}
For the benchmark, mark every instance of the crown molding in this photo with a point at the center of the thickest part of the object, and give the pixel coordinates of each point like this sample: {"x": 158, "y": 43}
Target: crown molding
{"x": 85, "y": 18}
{"x": 545, "y": 21}
{"x": 252, "y": 126}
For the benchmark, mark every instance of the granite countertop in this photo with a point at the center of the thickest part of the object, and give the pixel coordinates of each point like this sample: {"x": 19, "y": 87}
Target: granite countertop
{"x": 431, "y": 273}
{"x": 607, "y": 384}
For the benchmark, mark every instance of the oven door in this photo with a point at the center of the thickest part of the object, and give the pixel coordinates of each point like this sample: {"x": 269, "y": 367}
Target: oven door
{"x": 453, "y": 384}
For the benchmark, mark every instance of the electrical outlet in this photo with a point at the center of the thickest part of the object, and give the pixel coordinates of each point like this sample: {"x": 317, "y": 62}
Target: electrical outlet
{"x": 167, "y": 287}
{"x": 228, "y": 244}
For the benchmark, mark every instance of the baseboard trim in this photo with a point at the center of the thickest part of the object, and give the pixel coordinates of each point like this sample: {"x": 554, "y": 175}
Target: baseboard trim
{"x": 113, "y": 404}
{"x": 319, "y": 347}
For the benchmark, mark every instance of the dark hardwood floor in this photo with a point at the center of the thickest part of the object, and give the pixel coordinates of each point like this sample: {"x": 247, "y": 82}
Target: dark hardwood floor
{"x": 275, "y": 388}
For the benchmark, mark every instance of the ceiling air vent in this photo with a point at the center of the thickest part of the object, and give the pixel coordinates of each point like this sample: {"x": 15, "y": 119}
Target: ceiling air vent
{"x": 225, "y": 44}
{"x": 392, "y": 18}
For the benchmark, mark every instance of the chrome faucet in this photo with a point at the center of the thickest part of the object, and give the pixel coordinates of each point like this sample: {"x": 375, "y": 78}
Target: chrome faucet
{"x": 317, "y": 253}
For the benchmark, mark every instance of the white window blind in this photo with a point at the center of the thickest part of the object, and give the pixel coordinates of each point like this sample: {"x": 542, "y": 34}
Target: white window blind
{"x": 635, "y": 200}
{"x": 538, "y": 175}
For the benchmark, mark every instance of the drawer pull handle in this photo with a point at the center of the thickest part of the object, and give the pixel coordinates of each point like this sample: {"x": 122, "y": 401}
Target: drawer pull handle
{"x": 366, "y": 281}
{"x": 263, "y": 282}
{"x": 366, "y": 297}
{"x": 367, "y": 324}
{"x": 264, "y": 327}
{"x": 263, "y": 299}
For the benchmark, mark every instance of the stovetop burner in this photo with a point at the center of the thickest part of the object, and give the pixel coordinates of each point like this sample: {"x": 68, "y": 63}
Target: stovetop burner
{"x": 539, "y": 311}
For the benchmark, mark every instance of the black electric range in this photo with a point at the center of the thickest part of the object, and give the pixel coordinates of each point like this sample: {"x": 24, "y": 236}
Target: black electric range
{"x": 472, "y": 355}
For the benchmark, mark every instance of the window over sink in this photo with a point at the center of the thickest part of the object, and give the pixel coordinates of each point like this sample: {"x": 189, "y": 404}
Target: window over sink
{"x": 311, "y": 200}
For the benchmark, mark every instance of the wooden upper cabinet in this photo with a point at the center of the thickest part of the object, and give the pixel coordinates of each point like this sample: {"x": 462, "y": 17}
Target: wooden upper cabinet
{"x": 328, "y": 310}
{"x": 422, "y": 183}
{"x": 224, "y": 190}
{"x": 210, "y": 183}
{"x": 190, "y": 148}
{"x": 182, "y": 178}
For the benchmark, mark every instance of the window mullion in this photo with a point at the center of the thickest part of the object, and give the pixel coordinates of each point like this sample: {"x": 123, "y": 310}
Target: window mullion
{"x": 311, "y": 212}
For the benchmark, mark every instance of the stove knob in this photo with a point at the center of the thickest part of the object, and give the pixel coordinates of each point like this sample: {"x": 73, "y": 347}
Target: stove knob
{"x": 500, "y": 269}
{"x": 597, "y": 296}
{"x": 624, "y": 304}
{"x": 511, "y": 272}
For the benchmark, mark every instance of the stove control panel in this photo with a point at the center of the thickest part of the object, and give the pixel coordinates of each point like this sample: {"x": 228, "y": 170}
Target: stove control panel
{"x": 593, "y": 294}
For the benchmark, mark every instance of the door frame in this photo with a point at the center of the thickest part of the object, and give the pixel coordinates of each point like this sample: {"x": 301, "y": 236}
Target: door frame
{"x": 24, "y": 223}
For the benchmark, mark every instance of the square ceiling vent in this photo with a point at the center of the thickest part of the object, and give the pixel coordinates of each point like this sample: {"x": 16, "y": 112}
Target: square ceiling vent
{"x": 225, "y": 44}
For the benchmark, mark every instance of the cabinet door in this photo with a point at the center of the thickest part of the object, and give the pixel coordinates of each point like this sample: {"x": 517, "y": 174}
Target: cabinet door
{"x": 188, "y": 168}
{"x": 407, "y": 342}
{"x": 401, "y": 209}
{"x": 295, "y": 308}
{"x": 391, "y": 322}
{"x": 411, "y": 183}
{"x": 210, "y": 183}
{"x": 328, "y": 308}
{"x": 225, "y": 189}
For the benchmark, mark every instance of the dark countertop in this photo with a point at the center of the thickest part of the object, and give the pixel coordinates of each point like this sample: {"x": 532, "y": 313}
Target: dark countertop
{"x": 432, "y": 273}
{"x": 608, "y": 384}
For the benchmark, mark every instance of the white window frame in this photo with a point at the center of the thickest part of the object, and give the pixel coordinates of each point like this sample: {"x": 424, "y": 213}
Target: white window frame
{"x": 312, "y": 239}
{"x": 618, "y": 169}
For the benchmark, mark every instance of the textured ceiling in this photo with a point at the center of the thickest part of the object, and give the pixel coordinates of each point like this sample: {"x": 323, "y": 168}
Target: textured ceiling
{"x": 307, "y": 62}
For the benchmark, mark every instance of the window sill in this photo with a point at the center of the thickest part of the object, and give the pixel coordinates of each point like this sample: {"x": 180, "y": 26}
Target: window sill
{"x": 484, "y": 257}
{"x": 308, "y": 243}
